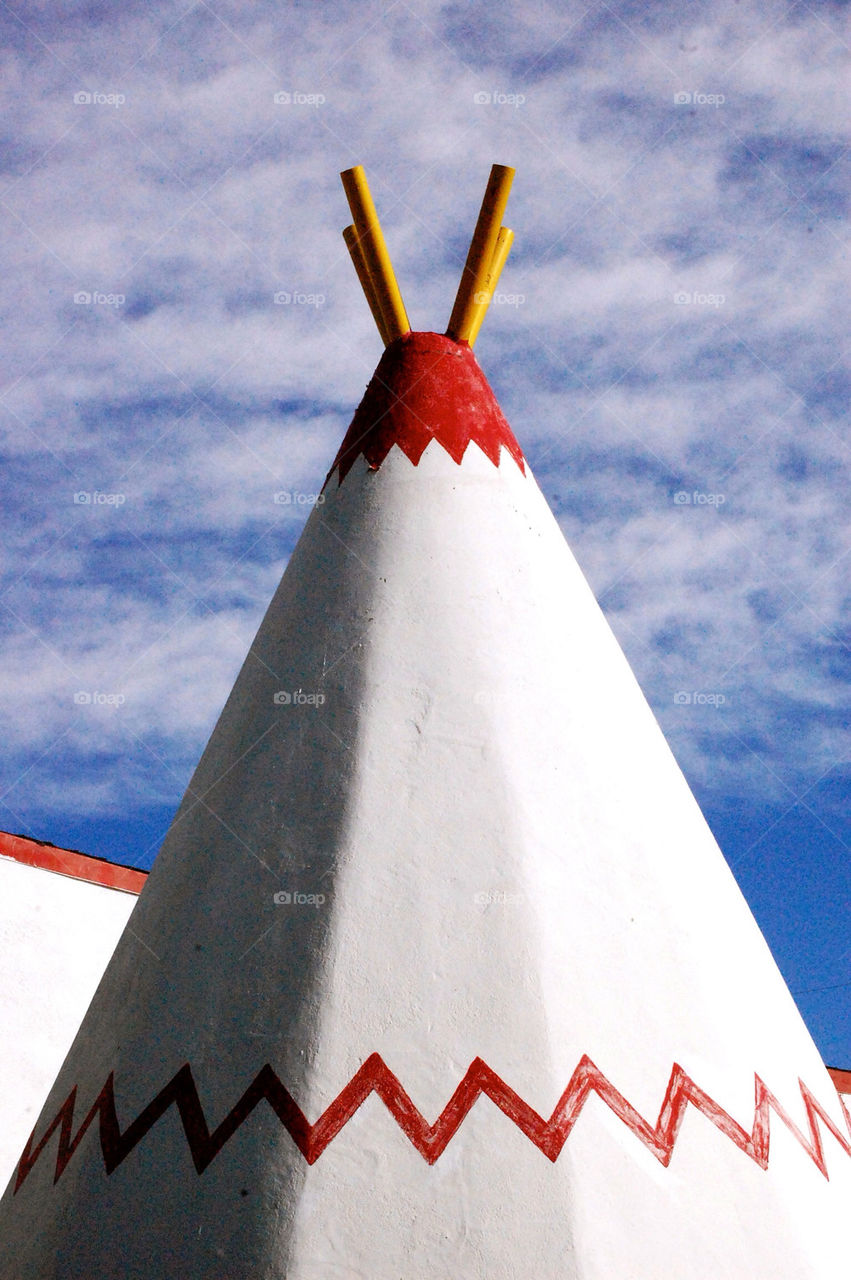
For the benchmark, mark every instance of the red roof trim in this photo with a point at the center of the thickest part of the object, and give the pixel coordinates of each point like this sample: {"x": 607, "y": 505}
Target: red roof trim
{"x": 842, "y": 1079}
{"x": 66, "y": 862}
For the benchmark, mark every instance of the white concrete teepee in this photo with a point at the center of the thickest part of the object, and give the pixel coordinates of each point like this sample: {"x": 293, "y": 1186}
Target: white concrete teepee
{"x": 440, "y": 972}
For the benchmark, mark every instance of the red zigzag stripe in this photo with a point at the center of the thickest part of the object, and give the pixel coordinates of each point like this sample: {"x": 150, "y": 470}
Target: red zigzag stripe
{"x": 430, "y": 1140}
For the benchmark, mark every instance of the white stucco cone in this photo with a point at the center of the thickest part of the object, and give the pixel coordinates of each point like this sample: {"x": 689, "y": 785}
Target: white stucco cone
{"x": 437, "y": 822}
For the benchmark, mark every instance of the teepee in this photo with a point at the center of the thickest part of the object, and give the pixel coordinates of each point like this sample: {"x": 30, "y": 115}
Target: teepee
{"x": 439, "y": 971}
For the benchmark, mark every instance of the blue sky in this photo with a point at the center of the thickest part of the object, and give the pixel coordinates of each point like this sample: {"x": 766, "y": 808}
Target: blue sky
{"x": 667, "y": 346}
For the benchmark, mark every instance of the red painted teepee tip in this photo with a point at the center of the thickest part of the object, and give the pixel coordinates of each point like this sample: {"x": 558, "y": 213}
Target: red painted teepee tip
{"x": 426, "y": 387}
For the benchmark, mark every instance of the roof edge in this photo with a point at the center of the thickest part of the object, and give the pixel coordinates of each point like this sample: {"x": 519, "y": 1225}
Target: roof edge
{"x": 841, "y": 1079}
{"x": 67, "y": 862}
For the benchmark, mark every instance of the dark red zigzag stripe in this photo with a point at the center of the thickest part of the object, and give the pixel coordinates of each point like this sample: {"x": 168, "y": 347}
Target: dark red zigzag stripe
{"x": 430, "y": 1140}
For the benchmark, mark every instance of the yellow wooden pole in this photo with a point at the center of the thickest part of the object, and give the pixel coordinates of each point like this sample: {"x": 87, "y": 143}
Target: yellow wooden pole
{"x": 483, "y": 299}
{"x": 375, "y": 253}
{"x": 355, "y": 248}
{"x": 480, "y": 256}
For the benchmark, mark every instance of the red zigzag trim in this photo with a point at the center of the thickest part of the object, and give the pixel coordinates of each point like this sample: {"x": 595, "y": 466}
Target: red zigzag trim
{"x": 430, "y": 1140}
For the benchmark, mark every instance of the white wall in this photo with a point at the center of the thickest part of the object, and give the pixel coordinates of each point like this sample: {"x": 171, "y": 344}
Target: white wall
{"x": 56, "y": 936}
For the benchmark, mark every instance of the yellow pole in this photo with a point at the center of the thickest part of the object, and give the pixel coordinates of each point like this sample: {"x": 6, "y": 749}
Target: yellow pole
{"x": 480, "y": 256}
{"x": 375, "y": 253}
{"x": 483, "y": 300}
{"x": 355, "y": 248}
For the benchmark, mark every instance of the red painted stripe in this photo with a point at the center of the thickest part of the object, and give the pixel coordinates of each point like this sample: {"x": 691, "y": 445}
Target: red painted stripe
{"x": 426, "y": 387}
{"x": 374, "y": 1076}
{"x": 66, "y": 862}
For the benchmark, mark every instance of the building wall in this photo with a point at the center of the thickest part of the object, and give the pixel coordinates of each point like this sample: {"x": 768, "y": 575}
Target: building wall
{"x": 57, "y": 933}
